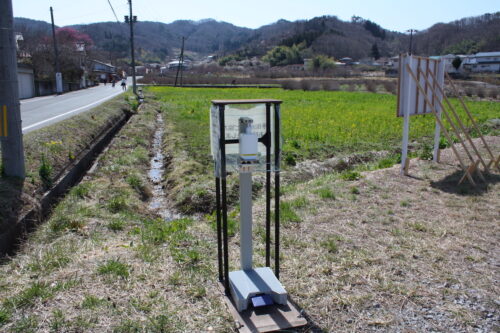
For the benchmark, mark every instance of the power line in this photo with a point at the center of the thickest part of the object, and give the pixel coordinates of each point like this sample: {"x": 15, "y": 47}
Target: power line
{"x": 114, "y": 13}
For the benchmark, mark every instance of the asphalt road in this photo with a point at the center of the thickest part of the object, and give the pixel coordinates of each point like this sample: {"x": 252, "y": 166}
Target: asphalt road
{"x": 39, "y": 112}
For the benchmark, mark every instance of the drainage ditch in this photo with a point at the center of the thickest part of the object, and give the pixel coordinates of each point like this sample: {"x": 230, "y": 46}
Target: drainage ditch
{"x": 158, "y": 202}
{"x": 11, "y": 239}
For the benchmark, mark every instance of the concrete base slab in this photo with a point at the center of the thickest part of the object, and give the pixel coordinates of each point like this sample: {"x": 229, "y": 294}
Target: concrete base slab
{"x": 246, "y": 284}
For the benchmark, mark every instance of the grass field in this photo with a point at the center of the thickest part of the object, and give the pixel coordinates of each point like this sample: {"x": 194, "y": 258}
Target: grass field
{"x": 315, "y": 123}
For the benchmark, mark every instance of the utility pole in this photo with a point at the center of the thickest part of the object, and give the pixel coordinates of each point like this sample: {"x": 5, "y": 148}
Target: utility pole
{"x": 59, "y": 85}
{"x": 180, "y": 64}
{"x": 131, "y": 20}
{"x": 411, "y": 31}
{"x": 11, "y": 134}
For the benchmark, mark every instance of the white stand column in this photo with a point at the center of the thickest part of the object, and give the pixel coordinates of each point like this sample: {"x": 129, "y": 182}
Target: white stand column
{"x": 246, "y": 220}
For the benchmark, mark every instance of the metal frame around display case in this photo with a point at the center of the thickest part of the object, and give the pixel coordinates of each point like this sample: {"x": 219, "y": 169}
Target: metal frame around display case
{"x": 221, "y": 185}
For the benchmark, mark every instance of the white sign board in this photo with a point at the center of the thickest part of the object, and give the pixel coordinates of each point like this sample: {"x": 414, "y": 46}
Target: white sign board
{"x": 410, "y": 97}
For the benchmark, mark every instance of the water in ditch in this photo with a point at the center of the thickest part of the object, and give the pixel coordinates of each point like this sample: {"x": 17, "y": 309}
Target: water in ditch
{"x": 158, "y": 202}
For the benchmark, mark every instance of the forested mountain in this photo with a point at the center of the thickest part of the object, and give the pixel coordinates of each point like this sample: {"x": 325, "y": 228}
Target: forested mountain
{"x": 158, "y": 42}
{"x": 465, "y": 36}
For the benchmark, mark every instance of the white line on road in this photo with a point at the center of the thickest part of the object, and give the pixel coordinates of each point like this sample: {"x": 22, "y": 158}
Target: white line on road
{"x": 72, "y": 111}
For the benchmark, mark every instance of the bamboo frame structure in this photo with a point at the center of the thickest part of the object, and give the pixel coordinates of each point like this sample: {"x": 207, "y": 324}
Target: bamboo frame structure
{"x": 457, "y": 132}
{"x": 495, "y": 161}
{"x": 425, "y": 84}
{"x": 462, "y": 127}
{"x": 445, "y": 131}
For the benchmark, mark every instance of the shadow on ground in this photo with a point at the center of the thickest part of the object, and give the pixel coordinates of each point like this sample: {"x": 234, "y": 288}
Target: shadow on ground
{"x": 449, "y": 184}
{"x": 14, "y": 203}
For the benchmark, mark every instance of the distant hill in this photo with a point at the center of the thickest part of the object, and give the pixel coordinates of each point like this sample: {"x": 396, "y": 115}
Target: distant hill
{"x": 156, "y": 41}
{"x": 31, "y": 26}
{"x": 464, "y": 36}
{"x": 159, "y": 42}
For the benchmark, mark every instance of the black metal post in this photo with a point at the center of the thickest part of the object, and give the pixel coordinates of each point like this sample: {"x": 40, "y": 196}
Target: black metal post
{"x": 277, "y": 149}
{"x": 224, "y": 196}
{"x": 268, "y": 185}
{"x": 411, "y": 31}
{"x": 219, "y": 227}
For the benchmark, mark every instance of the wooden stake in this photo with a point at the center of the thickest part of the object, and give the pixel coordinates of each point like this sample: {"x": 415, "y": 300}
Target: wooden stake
{"x": 407, "y": 166}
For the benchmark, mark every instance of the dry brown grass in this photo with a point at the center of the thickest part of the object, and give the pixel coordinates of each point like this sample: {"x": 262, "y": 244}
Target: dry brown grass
{"x": 409, "y": 254}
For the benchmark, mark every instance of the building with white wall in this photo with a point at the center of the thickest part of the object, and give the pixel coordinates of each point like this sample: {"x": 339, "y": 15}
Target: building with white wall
{"x": 488, "y": 62}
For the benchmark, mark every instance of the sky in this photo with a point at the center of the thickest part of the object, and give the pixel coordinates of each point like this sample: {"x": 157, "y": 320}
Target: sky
{"x": 397, "y": 15}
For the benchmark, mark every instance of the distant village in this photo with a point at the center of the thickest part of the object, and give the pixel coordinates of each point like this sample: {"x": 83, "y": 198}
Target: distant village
{"x": 94, "y": 72}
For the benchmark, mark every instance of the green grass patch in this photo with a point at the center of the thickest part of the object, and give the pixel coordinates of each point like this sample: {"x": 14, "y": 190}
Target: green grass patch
{"x": 388, "y": 162}
{"x": 28, "y": 297}
{"x": 118, "y": 203}
{"x": 354, "y": 190}
{"x": 325, "y": 193}
{"x": 288, "y": 214}
{"x": 116, "y": 224}
{"x": 69, "y": 215}
{"x": 300, "y": 202}
{"x": 114, "y": 267}
{"x": 92, "y": 302}
{"x": 81, "y": 190}
{"x": 233, "y": 223}
{"x": 417, "y": 226}
{"x": 350, "y": 175}
{"x": 4, "y": 316}
{"x": 58, "y": 321}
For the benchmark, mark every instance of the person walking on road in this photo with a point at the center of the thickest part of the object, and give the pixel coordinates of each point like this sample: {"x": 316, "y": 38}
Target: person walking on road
{"x": 124, "y": 84}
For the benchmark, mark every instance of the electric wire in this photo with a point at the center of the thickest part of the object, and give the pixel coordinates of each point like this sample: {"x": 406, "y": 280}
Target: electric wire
{"x": 113, "y": 10}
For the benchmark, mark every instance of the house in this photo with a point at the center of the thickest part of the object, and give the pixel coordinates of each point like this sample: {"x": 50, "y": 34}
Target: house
{"x": 103, "y": 70}
{"x": 25, "y": 81}
{"x": 346, "y": 60}
{"x": 173, "y": 65}
{"x": 141, "y": 70}
{"x": 483, "y": 62}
